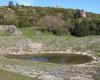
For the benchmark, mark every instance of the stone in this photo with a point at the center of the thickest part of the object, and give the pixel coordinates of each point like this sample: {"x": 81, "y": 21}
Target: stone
{"x": 49, "y": 77}
{"x": 7, "y": 27}
{"x": 11, "y": 29}
{"x": 80, "y": 14}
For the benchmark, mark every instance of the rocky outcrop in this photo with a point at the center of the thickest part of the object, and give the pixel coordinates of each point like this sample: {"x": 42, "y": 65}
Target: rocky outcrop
{"x": 10, "y": 29}
{"x": 80, "y": 14}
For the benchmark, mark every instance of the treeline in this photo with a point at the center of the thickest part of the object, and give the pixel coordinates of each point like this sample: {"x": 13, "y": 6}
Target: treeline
{"x": 56, "y": 20}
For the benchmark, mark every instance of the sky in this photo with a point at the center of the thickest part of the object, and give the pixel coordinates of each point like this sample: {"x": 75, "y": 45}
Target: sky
{"x": 87, "y": 5}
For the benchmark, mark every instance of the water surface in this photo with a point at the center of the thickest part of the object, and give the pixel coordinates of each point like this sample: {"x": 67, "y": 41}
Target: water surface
{"x": 55, "y": 58}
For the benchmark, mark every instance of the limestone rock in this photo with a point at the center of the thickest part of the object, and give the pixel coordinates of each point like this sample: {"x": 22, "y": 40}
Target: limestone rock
{"x": 11, "y": 29}
{"x": 80, "y": 14}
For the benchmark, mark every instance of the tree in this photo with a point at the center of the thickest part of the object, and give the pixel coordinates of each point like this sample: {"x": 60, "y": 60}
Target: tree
{"x": 22, "y": 6}
{"x": 17, "y": 5}
{"x": 11, "y": 4}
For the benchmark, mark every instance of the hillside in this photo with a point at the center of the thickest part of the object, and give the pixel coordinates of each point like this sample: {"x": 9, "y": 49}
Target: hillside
{"x": 38, "y": 12}
{"x": 61, "y": 20}
{"x": 26, "y": 32}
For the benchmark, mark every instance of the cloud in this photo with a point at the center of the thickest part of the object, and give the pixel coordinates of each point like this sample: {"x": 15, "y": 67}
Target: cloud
{"x": 25, "y": 2}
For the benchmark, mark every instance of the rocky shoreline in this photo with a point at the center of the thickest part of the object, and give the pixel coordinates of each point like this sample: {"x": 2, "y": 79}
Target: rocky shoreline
{"x": 87, "y": 71}
{"x": 59, "y": 72}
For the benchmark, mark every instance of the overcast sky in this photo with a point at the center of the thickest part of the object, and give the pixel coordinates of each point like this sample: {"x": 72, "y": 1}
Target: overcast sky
{"x": 88, "y": 5}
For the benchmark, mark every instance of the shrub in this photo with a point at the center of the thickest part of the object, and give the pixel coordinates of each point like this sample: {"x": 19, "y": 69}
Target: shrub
{"x": 24, "y": 22}
{"x": 52, "y": 24}
{"x": 81, "y": 29}
{"x": 92, "y": 27}
{"x": 58, "y": 31}
{"x": 98, "y": 30}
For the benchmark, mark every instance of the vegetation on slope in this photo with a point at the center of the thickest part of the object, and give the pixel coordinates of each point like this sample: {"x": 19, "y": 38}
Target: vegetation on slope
{"x": 54, "y": 20}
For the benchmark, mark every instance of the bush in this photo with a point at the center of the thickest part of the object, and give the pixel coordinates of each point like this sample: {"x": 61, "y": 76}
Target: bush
{"x": 52, "y": 24}
{"x": 24, "y": 22}
{"x": 81, "y": 29}
{"x": 98, "y": 30}
{"x": 92, "y": 27}
{"x": 58, "y": 31}
{"x": 86, "y": 27}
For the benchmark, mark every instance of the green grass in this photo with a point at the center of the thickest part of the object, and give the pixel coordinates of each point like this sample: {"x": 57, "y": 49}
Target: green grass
{"x": 5, "y": 75}
{"x": 98, "y": 54}
{"x": 28, "y": 32}
{"x": 32, "y": 31}
{"x": 5, "y": 33}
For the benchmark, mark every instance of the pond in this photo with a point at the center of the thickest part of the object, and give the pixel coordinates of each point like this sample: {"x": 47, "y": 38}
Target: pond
{"x": 55, "y": 58}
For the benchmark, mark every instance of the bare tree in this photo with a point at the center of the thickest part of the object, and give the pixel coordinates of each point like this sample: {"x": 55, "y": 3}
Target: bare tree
{"x": 51, "y": 22}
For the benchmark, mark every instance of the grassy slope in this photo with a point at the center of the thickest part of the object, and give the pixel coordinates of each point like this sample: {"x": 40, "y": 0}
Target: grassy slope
{"x": 64, "y": 42}
{"x": 28, "y": 32}
{"x": 5, "y": 75}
